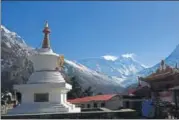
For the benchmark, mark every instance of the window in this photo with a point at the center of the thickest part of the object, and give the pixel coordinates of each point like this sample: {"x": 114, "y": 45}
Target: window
{"x": 102, "y": 104}
{"x": 82, "y": 105}
{"x": 88, "y": 105}
{"x": 95, "y": 105}
{"x": 127, "y": 104}
{"x": 19, "y": 96}
{"x": 41, "y": 97}
{"x": 78, "y": 105}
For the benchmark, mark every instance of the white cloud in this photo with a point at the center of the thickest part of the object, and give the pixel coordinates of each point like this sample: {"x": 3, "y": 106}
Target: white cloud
{"x": 110, "y": 57}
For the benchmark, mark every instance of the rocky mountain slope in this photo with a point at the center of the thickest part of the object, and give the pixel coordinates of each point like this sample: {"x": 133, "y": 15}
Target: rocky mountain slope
{"x": 15, "y": 68}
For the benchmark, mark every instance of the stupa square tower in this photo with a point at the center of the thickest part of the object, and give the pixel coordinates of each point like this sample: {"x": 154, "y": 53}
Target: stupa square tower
{"x": 46, "y": 90}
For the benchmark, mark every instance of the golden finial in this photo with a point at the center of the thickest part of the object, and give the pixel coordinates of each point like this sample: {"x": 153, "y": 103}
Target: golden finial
{"x": 46, "y": 24}
{"x": 46, "y": 41}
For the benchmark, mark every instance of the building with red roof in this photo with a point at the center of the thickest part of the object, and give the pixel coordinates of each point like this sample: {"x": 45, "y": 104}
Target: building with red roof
{"x": 110, "y": 101}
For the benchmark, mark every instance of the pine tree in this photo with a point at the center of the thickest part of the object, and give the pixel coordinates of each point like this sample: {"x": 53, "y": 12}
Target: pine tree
{"x": 76, "y": 91}
{"x": 99, "y": 93}
{"x": 88, "y": 91}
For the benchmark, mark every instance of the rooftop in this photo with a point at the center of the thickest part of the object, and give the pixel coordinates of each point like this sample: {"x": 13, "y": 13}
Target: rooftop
{"x": 162, "y": 72}
{"x": 92, "y": 98}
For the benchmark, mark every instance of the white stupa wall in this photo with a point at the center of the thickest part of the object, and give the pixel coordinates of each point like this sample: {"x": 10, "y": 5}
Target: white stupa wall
{"x": 42, "y": 62}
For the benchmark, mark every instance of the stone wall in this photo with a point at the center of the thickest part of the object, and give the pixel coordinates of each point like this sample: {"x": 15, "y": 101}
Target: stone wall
{"x": 82, "y": 115}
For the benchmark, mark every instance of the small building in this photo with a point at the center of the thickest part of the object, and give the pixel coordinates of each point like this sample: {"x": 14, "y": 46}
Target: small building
{"x": 160, "y": 84}
{"x": 161, "y": 81}
{"x": 111, "y": 101}
{"x": 142, "y": 91}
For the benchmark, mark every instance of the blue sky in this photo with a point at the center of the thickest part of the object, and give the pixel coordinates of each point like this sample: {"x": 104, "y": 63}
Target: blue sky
{"x": 93, "y": 29}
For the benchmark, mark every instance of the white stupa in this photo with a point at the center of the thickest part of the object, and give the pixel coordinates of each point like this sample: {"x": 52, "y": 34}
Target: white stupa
{"x": 46, "y": 89}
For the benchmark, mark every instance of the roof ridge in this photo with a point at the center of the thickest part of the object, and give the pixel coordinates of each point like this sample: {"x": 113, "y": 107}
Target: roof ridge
{"x": 92, "y": 98}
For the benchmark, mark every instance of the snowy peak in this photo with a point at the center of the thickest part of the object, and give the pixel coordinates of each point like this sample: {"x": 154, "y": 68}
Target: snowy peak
{"x": 128, "y": 55}
{"x": 13, "y": 48}
{"x": 86, "y": 77}
{"x": 175, "y": 53}
{"x": 12, "y": 35}
{"x": 4, "y": 29}
{"x": 121, "y": 66}
{"x": 171, "y": 60}
{"x": 110, "y": 57}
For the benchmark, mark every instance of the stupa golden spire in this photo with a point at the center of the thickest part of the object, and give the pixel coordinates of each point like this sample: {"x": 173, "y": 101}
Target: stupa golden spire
{"x": 46, "y": 41}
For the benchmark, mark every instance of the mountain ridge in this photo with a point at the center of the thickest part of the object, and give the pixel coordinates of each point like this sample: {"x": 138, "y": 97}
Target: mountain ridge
{"x": 16, "y": 68}
{"x": 105, "y": 77}
{"x": 113, "y": 66}
{"x": 172, "y": 59}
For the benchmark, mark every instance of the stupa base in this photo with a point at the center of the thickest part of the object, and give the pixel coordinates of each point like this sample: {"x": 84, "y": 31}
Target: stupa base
{"x": 38, "y": 108}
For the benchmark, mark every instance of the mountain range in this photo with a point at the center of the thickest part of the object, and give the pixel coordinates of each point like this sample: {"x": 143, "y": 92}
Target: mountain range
{"x": 123, "y": 66}
{"x": 106, "y": 74}
{"x": 16, "y": 68}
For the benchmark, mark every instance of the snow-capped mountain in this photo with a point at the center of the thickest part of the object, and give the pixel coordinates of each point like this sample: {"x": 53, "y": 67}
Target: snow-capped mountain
{"x": 171, "y": 60}
{"x": 117, "y": 67}
{"x": 16, "y": 68}
{"x": 12, "y": 46}
{"x": 107, "y": 74}
{"x": 99, "y": 82}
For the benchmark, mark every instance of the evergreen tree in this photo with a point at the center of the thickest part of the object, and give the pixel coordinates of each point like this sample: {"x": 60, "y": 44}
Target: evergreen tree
{"x": 88, "y": 91}
{"x": 76, "y": 91}
{"x": 99, "y": 93}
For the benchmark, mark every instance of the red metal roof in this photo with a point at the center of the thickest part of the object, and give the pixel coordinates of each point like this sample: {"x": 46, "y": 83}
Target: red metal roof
{"x": 92, "y": 98}
{"x": 131, "y": 91}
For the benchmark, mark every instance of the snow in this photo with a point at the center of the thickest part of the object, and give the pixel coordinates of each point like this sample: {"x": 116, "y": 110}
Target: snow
{"x": 145, "y": 66}
{"x": 128, "y": 55}
{"x": 13, "y": 44}
{"x": 110, "y": 57}
{"x": 79, "y": 66}
{"x": 87, "y": 77}
{"x": 5, "y": 29}
{"x": 118, "y": 68}
{"x": 72, "y": 63}
{"x": 8, "y": 44}
{"x": 11, "y": 36}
